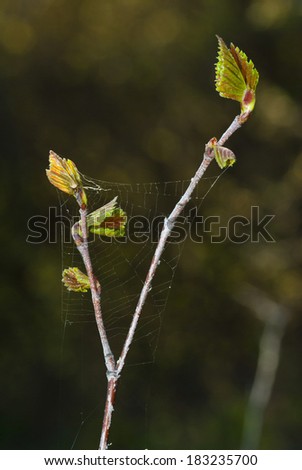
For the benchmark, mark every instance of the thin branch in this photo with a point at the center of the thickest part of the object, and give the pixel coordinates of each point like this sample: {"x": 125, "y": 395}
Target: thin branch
{"x": 112, "y": 377}
{"x": 238, "y": 83}
{"x": 111, "y": 389}
{"x": 95, "y": 292}
{"x": 114, "y": 369}
{"x": 166, "y": 231}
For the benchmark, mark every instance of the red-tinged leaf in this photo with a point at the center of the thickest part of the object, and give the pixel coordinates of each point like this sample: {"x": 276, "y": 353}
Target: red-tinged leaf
{"x": 247, "y": 68}
{"x": 108, "y": 220}
{"x": 75, "y": 280}
{"x": 236, "y": 76}
{"x": 64, "y": 175}
{"x": 223, "y": 156}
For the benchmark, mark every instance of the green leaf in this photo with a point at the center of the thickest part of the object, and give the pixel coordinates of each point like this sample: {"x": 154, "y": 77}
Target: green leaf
{"x": 236, "y": 76}
{"x": 223, "y": 156}
{"x": 64, "y": 175}
{"x": 108, "y": 220}
{"x": 75, "y": 280}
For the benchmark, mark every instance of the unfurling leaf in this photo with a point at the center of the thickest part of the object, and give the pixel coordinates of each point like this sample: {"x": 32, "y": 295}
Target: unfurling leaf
{"x": 236, "y": 76}
{"x": 108, "y": 220}
{"x": 75, "y": 280}
{"x": 64, "y": 175}
{"x": 223, "y": 156}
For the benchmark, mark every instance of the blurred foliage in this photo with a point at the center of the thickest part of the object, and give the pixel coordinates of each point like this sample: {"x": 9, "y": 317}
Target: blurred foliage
{"x": 126, "y": 89}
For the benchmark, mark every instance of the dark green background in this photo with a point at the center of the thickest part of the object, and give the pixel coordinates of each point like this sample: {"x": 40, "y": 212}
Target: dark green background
{"x": 126, "y": 89}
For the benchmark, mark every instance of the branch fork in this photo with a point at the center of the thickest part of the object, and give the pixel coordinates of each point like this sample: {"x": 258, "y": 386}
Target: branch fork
{"x": 236, "y": 79}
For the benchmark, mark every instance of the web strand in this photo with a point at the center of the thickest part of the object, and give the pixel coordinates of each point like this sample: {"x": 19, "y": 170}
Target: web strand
{"x": 121, "y": 264}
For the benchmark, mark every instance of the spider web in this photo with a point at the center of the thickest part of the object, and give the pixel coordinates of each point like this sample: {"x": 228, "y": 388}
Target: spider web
{"x": 121, "y": 264}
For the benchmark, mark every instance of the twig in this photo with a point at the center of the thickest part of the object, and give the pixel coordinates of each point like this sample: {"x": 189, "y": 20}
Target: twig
{"x": 112, "y": 376}
{"x": 114, "y": 369}
{"x": 95, "y": 292}
{"x": 165, "y": 233}
{"x": 111, "y": 389}
{"x": 236, "y": 78}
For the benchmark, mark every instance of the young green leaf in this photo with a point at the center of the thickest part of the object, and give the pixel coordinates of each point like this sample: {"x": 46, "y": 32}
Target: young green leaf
{"x": 75, "y": 280}
{"x": 223, "y": 156}
{"x": 236, "y": 76}
{"x": 108, "y": 220}
{"x": 64, "y": 175}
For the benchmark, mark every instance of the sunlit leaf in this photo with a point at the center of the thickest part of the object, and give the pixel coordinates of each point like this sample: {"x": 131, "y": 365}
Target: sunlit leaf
{"x": 223, "y": 156}
{"x": 64, "y": 175}
{"x": 75, "y": 280}
{"x": 108, "y": 220}
{"x": 236, "y": 76}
